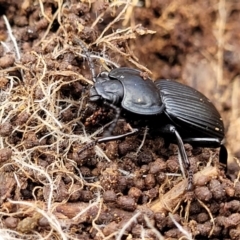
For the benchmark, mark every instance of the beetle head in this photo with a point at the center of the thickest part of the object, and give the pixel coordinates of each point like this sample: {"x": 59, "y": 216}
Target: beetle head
{"x": 106, "y": 89}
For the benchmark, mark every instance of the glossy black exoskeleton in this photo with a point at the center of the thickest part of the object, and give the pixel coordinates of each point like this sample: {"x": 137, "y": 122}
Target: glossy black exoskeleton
{"x": 178, "y": 110}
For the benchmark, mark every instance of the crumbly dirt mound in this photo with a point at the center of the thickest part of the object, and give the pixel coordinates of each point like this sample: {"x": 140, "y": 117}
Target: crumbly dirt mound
{"x": 131, "y": 188}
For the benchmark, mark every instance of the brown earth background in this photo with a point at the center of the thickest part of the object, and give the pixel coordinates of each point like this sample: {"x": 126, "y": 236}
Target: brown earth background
{"x": 126, "y": 189}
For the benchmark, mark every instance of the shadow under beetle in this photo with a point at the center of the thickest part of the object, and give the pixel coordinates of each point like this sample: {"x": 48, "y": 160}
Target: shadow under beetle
{"x": 176, "y": 109}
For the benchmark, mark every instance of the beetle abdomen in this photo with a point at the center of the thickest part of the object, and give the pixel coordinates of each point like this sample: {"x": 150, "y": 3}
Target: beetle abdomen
{"x": 190, "y": 109}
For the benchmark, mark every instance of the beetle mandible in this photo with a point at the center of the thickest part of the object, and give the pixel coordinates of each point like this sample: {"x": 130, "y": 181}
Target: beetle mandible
{"x": 178, "y": 110}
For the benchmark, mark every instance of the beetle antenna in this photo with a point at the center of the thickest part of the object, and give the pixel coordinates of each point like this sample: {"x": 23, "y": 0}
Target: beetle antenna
{"x": 88, "y": 56}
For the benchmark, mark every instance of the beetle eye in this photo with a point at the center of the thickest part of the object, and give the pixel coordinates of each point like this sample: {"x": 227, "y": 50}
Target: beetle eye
{"x": 103, "y": 74}
{"x": 102, "y": 77}
{"x": 94, "y": 98}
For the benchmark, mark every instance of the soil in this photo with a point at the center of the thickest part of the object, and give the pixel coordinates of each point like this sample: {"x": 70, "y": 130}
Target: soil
{"x": 132, "y": 188}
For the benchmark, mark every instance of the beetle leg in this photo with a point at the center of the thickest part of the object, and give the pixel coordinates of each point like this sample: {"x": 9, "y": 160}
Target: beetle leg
{"x": 143, "y": 140}
{"x": 171, "y": 129}
{"x": 88, "y": 146}
{"x": 203, "y": 142}
{"x": 212, "y": 143}
{"x": 223, "y": 155}
{"x": 114, "y": 122}
{"x": 106, "y": 139}
{"x": 111, "y": 138}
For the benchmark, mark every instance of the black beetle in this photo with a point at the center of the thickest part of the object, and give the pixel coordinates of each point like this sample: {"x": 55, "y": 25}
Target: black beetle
{"x": 176, "y": 109}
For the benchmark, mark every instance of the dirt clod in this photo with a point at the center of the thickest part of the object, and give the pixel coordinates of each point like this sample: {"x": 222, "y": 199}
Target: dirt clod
{"x": 7, "y": 61}
{"x": 5, "y": 154}
{"x": 127, "y": 203}
{"x": 11, "y": 222}
{"x": 203, "y": 193}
